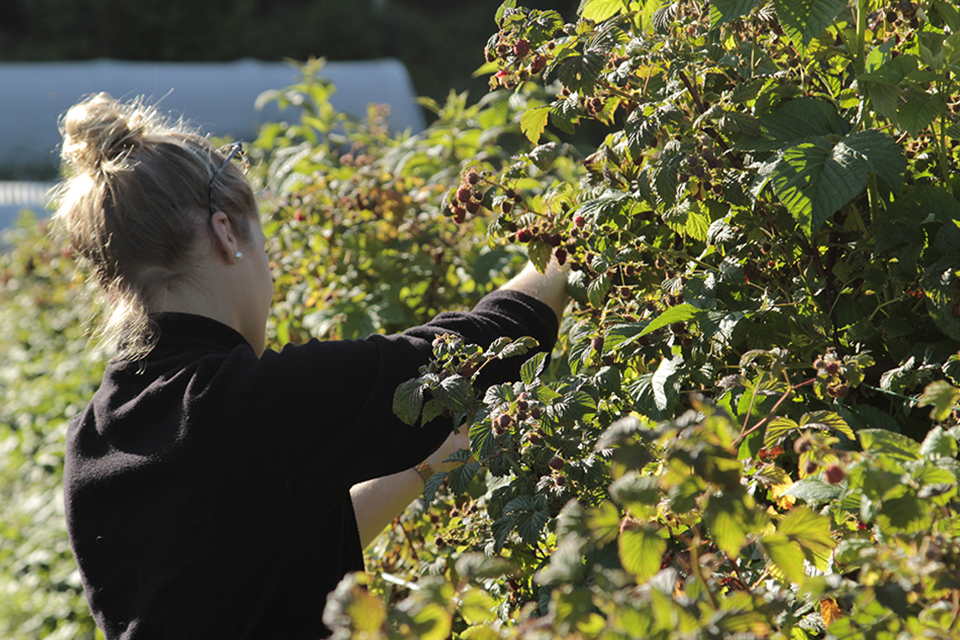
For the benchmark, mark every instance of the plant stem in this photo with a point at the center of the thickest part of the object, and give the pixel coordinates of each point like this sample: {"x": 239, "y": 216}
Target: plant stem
{"x": 860, "y": 62}
{"x": 773, "y": 411}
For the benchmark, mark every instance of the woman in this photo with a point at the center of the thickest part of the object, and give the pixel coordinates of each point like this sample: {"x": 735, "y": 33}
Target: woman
{"x": 213, "y": 488}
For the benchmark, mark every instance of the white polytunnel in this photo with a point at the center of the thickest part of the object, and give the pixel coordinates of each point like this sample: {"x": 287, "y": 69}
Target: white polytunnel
{"x": 218, "y": 97}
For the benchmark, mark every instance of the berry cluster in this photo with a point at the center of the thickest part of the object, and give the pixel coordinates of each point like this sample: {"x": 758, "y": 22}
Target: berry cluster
{"x": 518, "y": 58}
{"x": 468, "y": 197}
{"x": 832, "y": 371}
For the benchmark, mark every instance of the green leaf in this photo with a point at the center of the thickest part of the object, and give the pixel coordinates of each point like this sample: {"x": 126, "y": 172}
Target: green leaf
{"x": 814, "y": 180}
{"x": 814, "y": 490}
{"x": 580, "y": 72}
{"x": 533, "y": 122}
{"x": 665, "y": 382}
{"x": 604, "y": 522}
{"x": 408, "y": 400}
{"x": 723, "y": 11}
{"x": 597, "y": 290}
{"x": 431, "y": 622}
{"x": 529, "y": 514}
{"x": 786, "y": 555}
{"x": 477, "y": 566}
{"x": 777, "y": 428}
{"x": 879, "y": 153}
{"x": 455, "y": 392}
{"x": 797, "y": 120}
{"x": 539, "y": 254}
{"x": 826, "y": 420}
{"x": 728, "y": 521}
{"x": 680, "y": 313}
{"x": 942, "y": 396}
{"x": 916, "y": 115}
{"x": 641, "y": 551}
{"x": 600, "y": 10}
{"x": 507, "y": 4}
{"x": 891, "y": 444}
{"x": 517, "y": 347}
{"x": 532, "y": 368}
{"x": 804, "y": 20}
{"x": 809, "y": 529}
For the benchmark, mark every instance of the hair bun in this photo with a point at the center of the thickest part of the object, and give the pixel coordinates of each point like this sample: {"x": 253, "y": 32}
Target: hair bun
{"x": 99, "y": 130}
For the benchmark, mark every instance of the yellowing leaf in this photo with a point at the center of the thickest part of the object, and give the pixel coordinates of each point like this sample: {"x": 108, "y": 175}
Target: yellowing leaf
{"x": 533, "y": 122}
{"x": 829, "y": 611}
{"x": 786, "y": 555}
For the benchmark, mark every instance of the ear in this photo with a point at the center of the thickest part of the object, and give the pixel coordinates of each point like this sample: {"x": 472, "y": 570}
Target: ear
{"x": 226, "y": 242}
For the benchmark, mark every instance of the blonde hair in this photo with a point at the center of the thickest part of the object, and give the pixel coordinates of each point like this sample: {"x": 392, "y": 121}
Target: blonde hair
{"x": 135, "y": 203}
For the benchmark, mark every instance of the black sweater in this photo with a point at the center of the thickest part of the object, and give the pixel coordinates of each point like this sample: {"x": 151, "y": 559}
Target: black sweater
{"x": 207, "y": 491}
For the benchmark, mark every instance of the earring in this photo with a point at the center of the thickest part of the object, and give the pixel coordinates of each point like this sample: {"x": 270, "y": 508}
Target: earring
{"x": 238, "y": 256}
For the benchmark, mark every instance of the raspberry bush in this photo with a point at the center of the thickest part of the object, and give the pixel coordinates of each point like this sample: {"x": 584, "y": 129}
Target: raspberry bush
{"x": 749, "y": 427}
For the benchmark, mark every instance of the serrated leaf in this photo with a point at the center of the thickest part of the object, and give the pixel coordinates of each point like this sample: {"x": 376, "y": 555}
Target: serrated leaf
{"x": 814, "y": 490}
{"x": 804, "y": 20}
{"x": 827, "y": 420}
{"x": 529, "y": 514}
{"x": 604, "y": 522}
{"x": 942, "y": 397}
{"x": 454, "y": 392}
{"x": 597, "y": 290}
{"x": 460, "y": 477}
{"x": 680, "y": 313}
{"x": 786, "y": 555}
{"x": 600, "y": 10}
{"x": 533, "y": 122}
{"x": 776, "y": 428}
{"x": 544, "y": 155}
{"x": 518, "y": 347}
{"x": 916, "y": 115}
{"x": 891, "y": 444}
{"x": 507, "y": 4}
{"x": 814, "y": 180}
{"x": 431, "y": 486}
{"x": 532, "y": 368}
{"x": 408, "y": 400}
{"x": 641, "y": 551}
{"x": 580, "y": 72}
{"x": 879, "y": 153}
{"x": 431, "y": 622}
{"x": 664, "y": 382}
{"x": 723, "y": 11}
{"x": 809, "y": 529}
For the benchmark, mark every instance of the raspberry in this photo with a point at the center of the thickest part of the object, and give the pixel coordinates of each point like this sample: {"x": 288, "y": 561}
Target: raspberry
{"x": 504, "y": 421}
{"x": 597, "y": 343}
{"x": 506, "y": 206}
{"x": 524, "y": 235}
{"x": 579, "y": 221}
{"x": 534, "y": 438}
{"x": 473, "y": 177}
{"x": 460, "y": 216}
{"x": 463, "y": 194}
{"x": 489, "y": 55}
{"x": 522, "y": 403}
{"x": 458, "y": 212}
{"x": 298, "y": 215}
{"x": 560, "y": 481}
{"x": 554, "y": 240}
{"x": 557, "y": 463}
{"x": 810, "y": 467}
{"x": 802, "y": 444}
{"x": 473, "y": 207}
{"x": 521, "y": 48}
{"x": 561, "y": 256}
{"x": 538, "y": 65}
{"x": 832, "y": 368}
{"x": 835, "y": 474}
{"x": 535, "y": 413}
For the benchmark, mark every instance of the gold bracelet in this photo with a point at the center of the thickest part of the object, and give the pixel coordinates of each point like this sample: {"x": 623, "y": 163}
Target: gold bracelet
{"x": 425, "y": 471}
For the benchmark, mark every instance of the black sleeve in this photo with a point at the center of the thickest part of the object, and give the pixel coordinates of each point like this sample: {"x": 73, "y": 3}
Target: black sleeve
{"x": 331, "y": 402}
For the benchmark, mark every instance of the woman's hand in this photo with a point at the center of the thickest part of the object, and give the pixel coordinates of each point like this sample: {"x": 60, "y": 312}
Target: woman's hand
{"x": 455, "y": 441}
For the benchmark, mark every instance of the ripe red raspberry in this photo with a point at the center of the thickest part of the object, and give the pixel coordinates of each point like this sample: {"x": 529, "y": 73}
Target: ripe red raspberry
{"x": 538, "y": 65}
{"x": 524, "y": 235}
{"x": 557, "y": 463}
{"x": 460, "y": 216}
{"x": 835, "y": 474}
{"x": 298, "y": 215}
{"x": 579, "y": 221}
{"x": 832, "y": 368}
{"x": 561, "y": 256}
{"x": 473, "y": 177}
{"x": 554, "y": 240}
{"x": 473, "y": 207}
{"x": 521, "y": 48}
{"x": 463, "y": 194}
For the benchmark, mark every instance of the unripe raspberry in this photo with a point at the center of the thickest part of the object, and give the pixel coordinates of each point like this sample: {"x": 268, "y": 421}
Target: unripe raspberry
{"x": 597, "y": 343}
{"x": 534, "y": 438}
{"x": 810, "y": 467}
{"x": 463, "y": 194}
{"x": 560, "y": 481}
{"x": 535, "y": 413}
{"x": 504, "y": 422}
{"x": 521, "y": 48}
{"x": 557, "y": 463}
{"x": 522, "y": 403}
{"x": 538, "y": 64}
{"x": 802, "y": 444}
{"x": 473, "y": 177}
{"x": 489, "y": 55}
{"x": 473, "y": 206}
{"x": 506, "y": 206}
{"x": 835, "y": 474}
